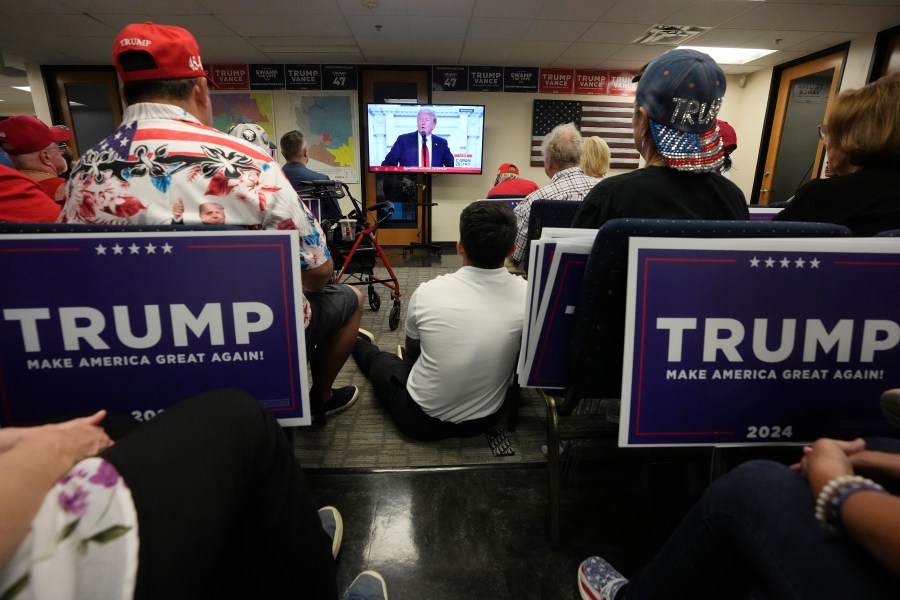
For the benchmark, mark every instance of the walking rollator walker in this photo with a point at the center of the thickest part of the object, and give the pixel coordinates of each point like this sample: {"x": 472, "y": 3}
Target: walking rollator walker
{"x": 353, "y": 244}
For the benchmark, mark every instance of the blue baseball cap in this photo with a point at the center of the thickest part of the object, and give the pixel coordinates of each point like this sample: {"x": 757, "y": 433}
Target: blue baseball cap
{"x": 682, "y": 92}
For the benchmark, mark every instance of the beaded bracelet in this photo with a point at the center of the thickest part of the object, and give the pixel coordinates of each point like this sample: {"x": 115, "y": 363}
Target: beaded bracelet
{"x": 833, "y": 494}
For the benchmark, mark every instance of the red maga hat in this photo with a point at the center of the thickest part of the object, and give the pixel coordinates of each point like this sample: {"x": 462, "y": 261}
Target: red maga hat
{"x": 24, "y": 134}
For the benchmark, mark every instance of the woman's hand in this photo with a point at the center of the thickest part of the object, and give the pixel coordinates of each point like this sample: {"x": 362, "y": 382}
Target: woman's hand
{"x": 826, "y": 459}
{"x": 79, "y": 438}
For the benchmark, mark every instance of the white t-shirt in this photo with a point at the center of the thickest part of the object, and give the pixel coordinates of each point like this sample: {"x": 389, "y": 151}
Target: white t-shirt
{"x": 469, "y": 325}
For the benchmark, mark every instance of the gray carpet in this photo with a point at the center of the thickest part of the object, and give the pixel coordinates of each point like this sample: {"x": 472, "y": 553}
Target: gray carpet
{"x": 363, "y": 436}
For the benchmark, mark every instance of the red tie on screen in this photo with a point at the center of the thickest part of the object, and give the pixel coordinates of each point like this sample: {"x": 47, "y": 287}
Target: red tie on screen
{"x": 425, "y": 162}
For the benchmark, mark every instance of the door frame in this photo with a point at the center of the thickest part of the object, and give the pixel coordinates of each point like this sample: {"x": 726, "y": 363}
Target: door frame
{"x": 779, "y": 88}
{"x": 369, "y": 75}
{"x": 57, "y": 77}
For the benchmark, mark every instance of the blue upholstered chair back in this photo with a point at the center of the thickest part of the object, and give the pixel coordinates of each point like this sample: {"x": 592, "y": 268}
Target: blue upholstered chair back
{"x": 594, "y": 350}
{"x": 548, "y": 213}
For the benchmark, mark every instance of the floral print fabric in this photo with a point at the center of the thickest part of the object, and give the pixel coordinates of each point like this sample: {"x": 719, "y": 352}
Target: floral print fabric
{"x": 83, "y": 542}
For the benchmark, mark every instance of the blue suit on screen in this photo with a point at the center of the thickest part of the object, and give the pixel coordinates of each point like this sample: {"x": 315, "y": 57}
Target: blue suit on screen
{"x": 405, "y": 152}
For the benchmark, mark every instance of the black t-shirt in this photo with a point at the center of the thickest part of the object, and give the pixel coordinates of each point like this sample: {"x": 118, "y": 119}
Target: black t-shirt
{"x": 662, "y": 193}
{"x": 867, "y": 202}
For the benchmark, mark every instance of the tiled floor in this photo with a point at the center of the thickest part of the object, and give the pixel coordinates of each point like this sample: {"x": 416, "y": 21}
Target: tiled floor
{"x": 480, "y": 532}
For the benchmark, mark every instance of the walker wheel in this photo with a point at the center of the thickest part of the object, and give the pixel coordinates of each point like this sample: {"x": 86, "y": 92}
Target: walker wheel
{"x": 374, "y": 299}
{"x": 394, "y": 317}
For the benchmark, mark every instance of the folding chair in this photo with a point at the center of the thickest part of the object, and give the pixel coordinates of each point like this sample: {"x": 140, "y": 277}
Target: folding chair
{"x": 595, "y": 343}
{"x": 548, "y": 213}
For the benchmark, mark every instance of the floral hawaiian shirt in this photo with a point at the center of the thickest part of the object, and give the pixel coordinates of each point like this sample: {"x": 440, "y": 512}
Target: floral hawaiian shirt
{"x": 162, "y": 166}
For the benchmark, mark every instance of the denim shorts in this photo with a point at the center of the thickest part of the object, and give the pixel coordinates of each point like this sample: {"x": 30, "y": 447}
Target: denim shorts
{"x": 331, "y": 307}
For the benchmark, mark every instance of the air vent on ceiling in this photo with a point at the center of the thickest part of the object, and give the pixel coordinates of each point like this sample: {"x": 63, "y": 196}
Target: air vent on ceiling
{"x": 670, "y": 35}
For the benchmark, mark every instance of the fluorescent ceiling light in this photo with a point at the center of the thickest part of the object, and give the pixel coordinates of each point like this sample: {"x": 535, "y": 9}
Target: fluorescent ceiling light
{"x": 24, "y": 88}
{"x": 731, "y": 56}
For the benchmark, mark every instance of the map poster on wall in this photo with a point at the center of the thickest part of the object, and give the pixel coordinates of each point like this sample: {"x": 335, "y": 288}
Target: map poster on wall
{"x": 231, "y": 108}
{"x": 328, "y": 121}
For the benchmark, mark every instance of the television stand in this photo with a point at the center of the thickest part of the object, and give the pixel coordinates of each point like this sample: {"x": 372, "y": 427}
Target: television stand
{"x": 426, "y": 232}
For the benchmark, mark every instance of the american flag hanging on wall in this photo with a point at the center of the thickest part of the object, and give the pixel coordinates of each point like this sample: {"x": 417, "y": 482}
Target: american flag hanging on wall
{"x": 609, "y": 120}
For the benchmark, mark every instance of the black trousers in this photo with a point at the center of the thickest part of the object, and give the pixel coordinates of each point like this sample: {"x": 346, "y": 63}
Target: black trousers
{"x": 388, "y": 374}
{"x": 223, "y": 508}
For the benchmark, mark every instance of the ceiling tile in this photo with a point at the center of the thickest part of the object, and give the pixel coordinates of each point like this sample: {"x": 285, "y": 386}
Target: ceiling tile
{"x": 366, "y": 25}
{"x": 511, "y": 9}
{"x": 538, "y": 53}
{"x": 595, "y": 52}
{"x": 709, "y": 13}
{"x": 157, "y": 7}
{"x": 643, "y": 53}
{"x": 647, "y": 11}
{"x": 575, "y": 10}
{"x": 557, "y": 31}
{"x": 443, "y": 27}
{"x": 286, "y": 7}
{"x": 268, "y": 24}
{"x": 482, "y": 51}
{"x": 613, "y": 33}
{"x": 498, "y": 29}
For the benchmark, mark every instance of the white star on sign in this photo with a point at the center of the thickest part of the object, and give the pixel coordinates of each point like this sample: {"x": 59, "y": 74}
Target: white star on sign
{"x": 754, "y": 262}
{"x": 785, "y": 263}
{"x": 151, "y": 249}
{"x": 101, "y": 249}
{"x": 117, "y": 249}
{"x": 799, "y": 263}
{"x": 167, "y": 249}
{"x": 770, "y": 262}
{"x": 814, "y": 263}
{"x": 134, "y": 248}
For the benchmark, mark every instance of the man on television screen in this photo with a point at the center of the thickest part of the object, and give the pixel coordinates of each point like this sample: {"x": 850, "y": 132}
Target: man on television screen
{"x": 420, "y": 148}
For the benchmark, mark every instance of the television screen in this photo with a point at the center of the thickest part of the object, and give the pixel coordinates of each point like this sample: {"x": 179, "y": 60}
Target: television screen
{"x": 396, "y": 131}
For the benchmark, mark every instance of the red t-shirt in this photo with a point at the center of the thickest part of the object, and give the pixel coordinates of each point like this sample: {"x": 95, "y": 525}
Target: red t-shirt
{"x": 516, "y": 186}
{"x": 22, "y": 200}
{"x": 51, "y": 186}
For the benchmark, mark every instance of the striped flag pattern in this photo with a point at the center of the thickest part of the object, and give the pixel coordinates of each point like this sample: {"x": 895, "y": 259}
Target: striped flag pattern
{"x": 609, "y": 120}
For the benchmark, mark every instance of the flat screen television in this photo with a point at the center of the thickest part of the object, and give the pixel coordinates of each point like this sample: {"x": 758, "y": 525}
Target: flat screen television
{"x": 394, "y": 139}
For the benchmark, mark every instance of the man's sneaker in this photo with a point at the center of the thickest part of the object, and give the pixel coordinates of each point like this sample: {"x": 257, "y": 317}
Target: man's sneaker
{"x": 333, "y": 525}
{"x": 368, "y": 585}
{"x": 366, "y": 335}
{"x": 341, "y": 399}
{"x": 598, "y": 580}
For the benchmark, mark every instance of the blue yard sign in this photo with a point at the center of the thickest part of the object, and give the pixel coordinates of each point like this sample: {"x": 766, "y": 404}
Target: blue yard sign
{"x": 134, "y": 322}
{"x": 759, "y": 341}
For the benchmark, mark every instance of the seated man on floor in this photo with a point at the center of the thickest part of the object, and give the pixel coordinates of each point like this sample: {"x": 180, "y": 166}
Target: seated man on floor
{"x": 462, "y": 337}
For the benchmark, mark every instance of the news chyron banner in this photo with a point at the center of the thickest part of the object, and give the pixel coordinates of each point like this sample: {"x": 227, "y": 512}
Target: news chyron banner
{"x": 135, "y": 322}
{"x": 759, "y": 341}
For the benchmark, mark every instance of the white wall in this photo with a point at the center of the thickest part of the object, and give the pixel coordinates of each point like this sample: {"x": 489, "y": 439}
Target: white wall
{"x": 508, "y": 133}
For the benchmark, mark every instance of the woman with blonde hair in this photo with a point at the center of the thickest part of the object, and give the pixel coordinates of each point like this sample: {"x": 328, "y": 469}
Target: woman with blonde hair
{"x": 595, "y": 159}
{"x": 862, "y": 140}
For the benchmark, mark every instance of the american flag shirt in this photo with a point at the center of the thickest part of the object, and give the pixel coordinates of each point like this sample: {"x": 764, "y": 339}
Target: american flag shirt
{"x": 162, "y": 164}
{"x": 568, "y": 184}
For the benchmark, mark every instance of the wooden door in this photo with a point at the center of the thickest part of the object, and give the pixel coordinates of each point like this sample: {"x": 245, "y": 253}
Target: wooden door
{"x": 87, "y": 102}
{"x": 795, "y": 152}
{"x": 404, "y": 190}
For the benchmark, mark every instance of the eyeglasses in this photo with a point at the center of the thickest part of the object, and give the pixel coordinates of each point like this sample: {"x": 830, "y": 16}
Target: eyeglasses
{"x": 823, "y": 131}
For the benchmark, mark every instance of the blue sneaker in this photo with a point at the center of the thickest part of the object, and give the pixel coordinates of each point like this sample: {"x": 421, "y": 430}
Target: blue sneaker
{"x": 598, "y": 580}
{"x": 333, "y": 525}
{"x": 368, "y": 585}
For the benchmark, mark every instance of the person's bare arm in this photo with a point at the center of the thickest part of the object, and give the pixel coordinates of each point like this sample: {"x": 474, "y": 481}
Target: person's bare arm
{"x": 871, "y": 518}
{"x": 413, "y": 349}
{"x": 317, "y": 278}
{"x": 883, "y": 467}
{"x": 36, "y": 458}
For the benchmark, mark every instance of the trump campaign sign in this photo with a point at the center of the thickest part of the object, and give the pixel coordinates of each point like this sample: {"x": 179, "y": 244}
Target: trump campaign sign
{"x": 134, "y": 322}
{"x": 759, "y": 341}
